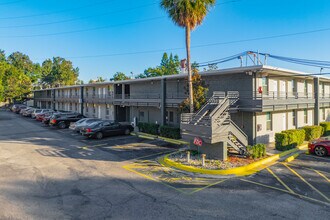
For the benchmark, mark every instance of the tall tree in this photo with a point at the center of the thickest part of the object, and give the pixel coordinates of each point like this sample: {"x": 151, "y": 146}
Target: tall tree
{"x": 58, "y": 72}
{"x": 169, "y": 65}
{"x": 187, "y": 14}
{"x": 119, "y": 76}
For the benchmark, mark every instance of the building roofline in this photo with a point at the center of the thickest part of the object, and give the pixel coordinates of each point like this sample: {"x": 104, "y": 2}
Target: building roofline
{"x": 256, "y": 68}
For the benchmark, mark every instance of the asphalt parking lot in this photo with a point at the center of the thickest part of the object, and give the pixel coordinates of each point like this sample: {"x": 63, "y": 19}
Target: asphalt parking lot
{"x": 48, "y": 173}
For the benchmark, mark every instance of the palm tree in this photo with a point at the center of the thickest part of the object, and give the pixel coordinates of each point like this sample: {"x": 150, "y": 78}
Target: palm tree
{"x": 187, "y": 14}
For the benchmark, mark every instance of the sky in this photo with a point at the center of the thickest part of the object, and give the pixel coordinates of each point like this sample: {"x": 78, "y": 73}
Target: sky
{"x": 103, "y": 37}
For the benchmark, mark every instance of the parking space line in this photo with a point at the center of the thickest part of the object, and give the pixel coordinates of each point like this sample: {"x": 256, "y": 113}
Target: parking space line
{"x": 282, "y": 190}
{"x": 155, "y": 180}
{"x": 321, "y": 174}
{"x": 286, "y": 186}
{"x": 305, "y": 181}
{"x": 307, "y": 168}
{"x": 213, "y": 184}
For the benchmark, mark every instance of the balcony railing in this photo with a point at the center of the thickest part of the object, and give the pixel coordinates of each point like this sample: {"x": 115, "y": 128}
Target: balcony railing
{"x": 281, "y": 95}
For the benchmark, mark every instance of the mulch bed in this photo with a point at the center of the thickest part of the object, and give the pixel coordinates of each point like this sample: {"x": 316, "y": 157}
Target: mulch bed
{"x": 196, "y": 161}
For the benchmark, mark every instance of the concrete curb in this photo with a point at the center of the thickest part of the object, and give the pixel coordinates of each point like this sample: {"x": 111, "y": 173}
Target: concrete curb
{"x": 239, "y": 171}
{"x": 156, "y": 137}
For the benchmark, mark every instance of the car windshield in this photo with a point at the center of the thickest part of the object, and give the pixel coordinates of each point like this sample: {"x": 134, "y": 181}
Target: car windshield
{"x": 81, "y": 121}
{"x": 95, "y": 124}
{"x": 37, "y": 111}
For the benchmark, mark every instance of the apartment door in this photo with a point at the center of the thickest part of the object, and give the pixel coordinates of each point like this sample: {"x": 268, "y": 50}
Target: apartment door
{"x": 284, "y": 122}
{"x": 282, "y": 88}
{"x": 275, "y": 88}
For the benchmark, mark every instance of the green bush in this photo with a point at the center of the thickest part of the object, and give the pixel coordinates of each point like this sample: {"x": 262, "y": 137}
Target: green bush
{"x": 313, "y": 132}
{"x": 256, "y": 151}
{"x": 326, "y": 128}
{"x": 170, "y": 132}
{"x": 148, "y": 128}
{"x": 289, "y": 139}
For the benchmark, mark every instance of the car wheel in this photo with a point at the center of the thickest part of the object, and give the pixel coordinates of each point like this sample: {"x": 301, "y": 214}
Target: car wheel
{"x": 320, "y": 151}
{"x": 99, "y": 135}
{"x": 62, "y": 125}
{"x": 127, "y": 132}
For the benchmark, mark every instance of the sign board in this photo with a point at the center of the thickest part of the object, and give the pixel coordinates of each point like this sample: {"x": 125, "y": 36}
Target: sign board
{"x": 198, "y": 141}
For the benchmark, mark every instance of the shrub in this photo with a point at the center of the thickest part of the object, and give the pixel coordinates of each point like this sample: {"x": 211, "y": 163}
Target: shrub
{"x": 170, "y": 132}
{"x": 289, "y": 139}
{"x": 313, "y": 132}
{"x": 148, "y": 128}
{"x": 256, "y": 151}
{"x": 326, "y": 128}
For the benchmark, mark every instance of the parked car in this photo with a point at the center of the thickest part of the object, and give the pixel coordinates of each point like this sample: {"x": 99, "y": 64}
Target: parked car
{"x": 23, "y": 110}
{"x": 27, "y": 113}
{"x": 320, "y": 147}
{"x": 63, "y": 120}
{"x": 17, "y": 108}
{"x": 76, "y": 126}
{"x": 39, "y": 111}
{"x": 41, "y": 116}
{"x": 47, "y": 118}
{"x": 104, "y": 128}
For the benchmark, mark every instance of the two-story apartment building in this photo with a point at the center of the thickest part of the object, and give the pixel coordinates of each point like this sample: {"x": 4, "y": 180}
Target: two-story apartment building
{"x": 270, "y": 100}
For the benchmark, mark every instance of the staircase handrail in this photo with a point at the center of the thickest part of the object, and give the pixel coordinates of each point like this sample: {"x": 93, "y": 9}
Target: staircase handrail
{"x": 241, "y": 132}
{"x": 220, "y": 108}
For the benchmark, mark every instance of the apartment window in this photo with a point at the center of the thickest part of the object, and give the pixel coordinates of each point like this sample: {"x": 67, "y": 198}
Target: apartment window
{"x": 268, "y": 121}
{"x": 293, "y": 85}
{"x": 87, "y": 107}
{"x": 70, "y": 92}
{"x": 322, "y": 89}
{"x": 264, "y": 83}
{"x": 171, "y": 119}
{"x": 294, "y": 118}
{"x": 94, "y": 91}
{"x": 305, "y": 116}
{"x": 86, "y": 92}
{"x": 58, "y": 93}
{"x": 70, "y": 106}
{"x": 58, "y": 105}
{"x": 94, "y": 108}
{"x": 107, "y": 111}
{"x": 305, "y": 87}
{"x": 141, "y": 116}
{"x": 63, "y": 106}
{"x": 76, "y": 92}
{"x": 76, "y": 107}
{"x": 323, "y": 114}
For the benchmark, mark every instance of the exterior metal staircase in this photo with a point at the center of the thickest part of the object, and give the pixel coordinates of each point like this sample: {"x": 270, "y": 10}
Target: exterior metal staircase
{"x": 213, "y": 124}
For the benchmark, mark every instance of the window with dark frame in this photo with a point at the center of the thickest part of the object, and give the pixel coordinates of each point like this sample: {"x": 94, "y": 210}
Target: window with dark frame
{"x": 305, "y": 116}
{"x": 268, "y": 121}
{"x": 294, "y": 118}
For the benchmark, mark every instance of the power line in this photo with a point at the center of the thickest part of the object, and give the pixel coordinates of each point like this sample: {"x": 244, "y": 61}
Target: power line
{"x": 75, "y": 19}
{"x": 54, "y": 12}
{"x": 91, "y": 16}
{"x": 196, "y": 46}
{"x": 82, "y": 30}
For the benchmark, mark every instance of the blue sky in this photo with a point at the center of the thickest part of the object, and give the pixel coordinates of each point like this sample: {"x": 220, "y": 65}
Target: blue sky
{"x": 134, "y": 34}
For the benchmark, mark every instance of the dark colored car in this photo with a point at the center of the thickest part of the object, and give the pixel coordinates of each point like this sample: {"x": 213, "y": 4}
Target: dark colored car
{"x": 320, "y": 147}
{"x": 63, "y": 120}
{"x": 105, "y": 128}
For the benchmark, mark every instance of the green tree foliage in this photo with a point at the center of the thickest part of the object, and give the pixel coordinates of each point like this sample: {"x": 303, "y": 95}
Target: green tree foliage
{"x": 187, "y": 14}
{"x": 169, "y": 65}
{"x": 119, "y": 76}
{"x": 98, "y": 79}
{"x": 19, "y": 75}
{"x": 58, "y": 72}
{"x": 199, "y": 93}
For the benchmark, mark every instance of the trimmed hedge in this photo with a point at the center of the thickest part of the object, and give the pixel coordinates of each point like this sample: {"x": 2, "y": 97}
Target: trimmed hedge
{"x": 326, "y": 128}
{"x": 313, "y": 132}
{"x": 289, "y": 139}
{"x": 257, "y": 151}
{"x": 148, "y": 128}
{"x": 170, "y": 132}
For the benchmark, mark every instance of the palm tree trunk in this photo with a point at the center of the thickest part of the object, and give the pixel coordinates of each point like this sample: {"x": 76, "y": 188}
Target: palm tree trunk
{"x": 191, "y": 100}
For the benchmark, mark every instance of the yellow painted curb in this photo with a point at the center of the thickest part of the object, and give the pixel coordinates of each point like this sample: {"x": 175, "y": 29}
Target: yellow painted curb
{"x": 291, "y": 158}
{"x": 154, "y": 137}
{"x": 243, "y": 170}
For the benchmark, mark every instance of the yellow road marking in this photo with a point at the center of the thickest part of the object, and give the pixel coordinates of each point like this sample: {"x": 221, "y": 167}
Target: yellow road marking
{"x": 321, "y": 174}
{"x": 155, "y": 180}
{"x": 305, "y": 181}
{"x": 282, "y": 190}
{"x": 212, "y": 184}
{"x": 152, "y": 155}
{"x": 307, "y": 168}
{"x": 286, "y": 186}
